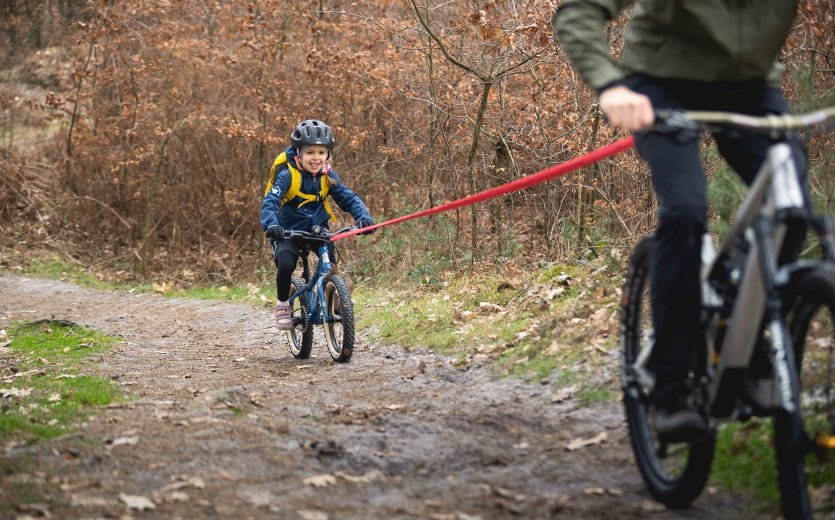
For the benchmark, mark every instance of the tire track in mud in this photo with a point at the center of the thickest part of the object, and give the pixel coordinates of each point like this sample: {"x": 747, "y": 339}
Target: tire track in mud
{"x": 222, "y": 422}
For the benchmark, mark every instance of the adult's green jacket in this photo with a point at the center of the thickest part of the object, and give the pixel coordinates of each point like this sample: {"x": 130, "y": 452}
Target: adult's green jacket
{"x": 702, "y": 40}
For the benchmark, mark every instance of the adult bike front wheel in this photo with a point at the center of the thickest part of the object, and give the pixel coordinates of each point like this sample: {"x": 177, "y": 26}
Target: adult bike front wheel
{"x": 674, "y": 474}
{"x": 300, "y": 337}
{"x": 339, "y": 320}
{"x": 804, "y": 443}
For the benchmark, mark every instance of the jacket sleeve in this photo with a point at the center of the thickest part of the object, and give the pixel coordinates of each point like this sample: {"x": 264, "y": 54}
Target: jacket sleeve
{"x": 347, "y": 200}
{"x": 272, "y": 201}
{"x": 580, "y": 27}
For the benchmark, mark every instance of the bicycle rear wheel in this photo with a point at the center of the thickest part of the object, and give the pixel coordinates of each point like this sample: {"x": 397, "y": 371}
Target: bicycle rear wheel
{"x": 300, "y": 337}
{"x": 339, "y": 326}
{"x": 803, "y": 445}
{"x": 675, "y": 474}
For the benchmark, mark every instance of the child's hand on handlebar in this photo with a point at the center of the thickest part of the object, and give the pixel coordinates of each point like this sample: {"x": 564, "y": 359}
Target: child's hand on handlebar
{"x": 275, "y": 232}
{"x": 364, "y": 224}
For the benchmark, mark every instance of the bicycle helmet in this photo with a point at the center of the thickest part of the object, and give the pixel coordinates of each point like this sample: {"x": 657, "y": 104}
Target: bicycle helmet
{"x": 310, "y": 132}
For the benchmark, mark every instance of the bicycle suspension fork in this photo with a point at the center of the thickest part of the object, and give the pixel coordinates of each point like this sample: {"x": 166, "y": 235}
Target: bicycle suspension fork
{"x": 785, "y": 373}
{"x": 758, "y": 301}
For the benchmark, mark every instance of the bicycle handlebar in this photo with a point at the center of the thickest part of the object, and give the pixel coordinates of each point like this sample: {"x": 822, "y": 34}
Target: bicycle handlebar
{"x": 682, "y": 119}
{"x": 317, "y": 233}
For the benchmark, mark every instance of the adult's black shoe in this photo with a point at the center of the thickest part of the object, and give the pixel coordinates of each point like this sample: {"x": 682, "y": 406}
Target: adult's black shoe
{"x": 678, "y": 423}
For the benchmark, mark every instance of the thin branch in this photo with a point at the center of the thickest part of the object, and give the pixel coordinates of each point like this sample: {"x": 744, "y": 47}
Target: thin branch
{"x": 103, "y": 204}
{"x": 443, "y": 48}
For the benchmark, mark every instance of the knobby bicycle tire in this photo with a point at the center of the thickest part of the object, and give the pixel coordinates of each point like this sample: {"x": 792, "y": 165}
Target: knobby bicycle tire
{"x": 673, "y": 474}
{"x": 300, "y": 337}
{"x": 339, "y": 331}
{"x": 810, "y": 318}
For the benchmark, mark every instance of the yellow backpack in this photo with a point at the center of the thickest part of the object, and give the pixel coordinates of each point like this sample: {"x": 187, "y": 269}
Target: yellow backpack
{"x": 296, "y": 184}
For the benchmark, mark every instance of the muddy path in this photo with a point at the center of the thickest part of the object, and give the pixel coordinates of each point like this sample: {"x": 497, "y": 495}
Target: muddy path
{"x": 223, "y": 422}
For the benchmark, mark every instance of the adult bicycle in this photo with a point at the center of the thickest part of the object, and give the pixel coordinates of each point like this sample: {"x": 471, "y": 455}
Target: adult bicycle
{"x": 321, "y": 298}
{"x": 769, "y": 332}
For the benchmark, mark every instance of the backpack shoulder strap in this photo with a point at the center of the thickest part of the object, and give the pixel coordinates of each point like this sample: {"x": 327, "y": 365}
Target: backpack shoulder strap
{"x": 295, "y": 185}
{"x": 281, "y": 159}
{"x": 295, "y": 178}
{"x": 323, "y": 195}
{"x": 324, "y": 186}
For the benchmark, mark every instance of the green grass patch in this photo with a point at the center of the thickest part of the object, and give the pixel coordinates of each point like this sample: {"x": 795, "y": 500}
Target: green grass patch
{"x": 56, "y": 267}
{"x": 574, "y": 340}
{"x": 48, "y": 392}
{"x": 451, "y": 312}
{"x": 537, "y": 325}
{"x": 744, "y": 460}
{"x": 262, "y": 294}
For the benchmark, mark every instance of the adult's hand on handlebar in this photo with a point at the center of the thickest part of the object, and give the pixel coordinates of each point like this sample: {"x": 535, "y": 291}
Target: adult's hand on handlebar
{"x": 275, "y": 232}
{"x": 627, "y": 109}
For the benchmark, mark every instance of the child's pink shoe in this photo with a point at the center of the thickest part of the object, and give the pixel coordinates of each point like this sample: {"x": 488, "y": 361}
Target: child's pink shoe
{"x": 283, "y": 318}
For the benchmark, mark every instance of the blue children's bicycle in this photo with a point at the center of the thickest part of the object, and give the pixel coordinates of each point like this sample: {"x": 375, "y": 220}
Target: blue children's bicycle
{"x": 322, "y": 299}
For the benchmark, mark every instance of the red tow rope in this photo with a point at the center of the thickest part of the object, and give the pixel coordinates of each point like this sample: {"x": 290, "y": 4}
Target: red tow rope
{"x": 509, "y": 187}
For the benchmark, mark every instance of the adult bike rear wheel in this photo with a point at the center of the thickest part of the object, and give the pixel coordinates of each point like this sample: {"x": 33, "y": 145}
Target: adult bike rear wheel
{"x": 339, "y": 324}
{"x": 675, "y": 474}
{"x": 802, "y": 446}
{"x": 300, "y": 337}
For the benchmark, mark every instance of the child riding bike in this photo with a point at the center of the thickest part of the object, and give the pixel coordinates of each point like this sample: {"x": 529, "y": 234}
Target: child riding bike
{"x": 686, "y": 55}
{"x": 301, "y": 179}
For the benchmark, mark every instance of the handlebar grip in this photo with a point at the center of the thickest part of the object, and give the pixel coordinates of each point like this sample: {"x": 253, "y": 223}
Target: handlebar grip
{"x": 674, "y": 119}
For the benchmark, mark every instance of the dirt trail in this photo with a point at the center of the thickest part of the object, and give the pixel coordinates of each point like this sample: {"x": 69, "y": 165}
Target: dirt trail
{"x": 225, "y": 423}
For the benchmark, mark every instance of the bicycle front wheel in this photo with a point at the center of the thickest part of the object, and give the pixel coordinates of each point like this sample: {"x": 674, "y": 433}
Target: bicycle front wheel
{"x": 300, "y": 337}
{"x": 803, "y": 445}
{"x": 339, "y": 321}
{"x": 674, "y": 474}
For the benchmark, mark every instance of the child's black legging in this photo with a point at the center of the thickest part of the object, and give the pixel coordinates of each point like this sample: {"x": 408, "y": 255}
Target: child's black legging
{"x": 285, "y": 264}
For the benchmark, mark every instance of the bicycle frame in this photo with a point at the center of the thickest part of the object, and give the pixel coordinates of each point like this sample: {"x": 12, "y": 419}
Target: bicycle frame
{"x": 767, "y": 317}
{"x": 760, "y": 227}
{"x": 758, "y": 232}
{"x": 321, "y": 298}
{"x": 315, "y": 288}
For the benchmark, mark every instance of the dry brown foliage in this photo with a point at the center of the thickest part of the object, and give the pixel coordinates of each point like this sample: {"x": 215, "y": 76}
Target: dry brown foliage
{"x": 170, "y": 114}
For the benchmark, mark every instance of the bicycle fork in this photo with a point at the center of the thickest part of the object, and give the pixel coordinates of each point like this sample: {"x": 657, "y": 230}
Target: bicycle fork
{"x": 785, "y": 372}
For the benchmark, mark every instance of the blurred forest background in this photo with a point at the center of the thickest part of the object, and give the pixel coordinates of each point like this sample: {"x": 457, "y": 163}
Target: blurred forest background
{"x": 136, "y": 136}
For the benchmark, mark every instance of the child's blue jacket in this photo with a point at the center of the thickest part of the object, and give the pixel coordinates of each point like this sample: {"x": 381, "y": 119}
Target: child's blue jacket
{"x": 304, "y": 217}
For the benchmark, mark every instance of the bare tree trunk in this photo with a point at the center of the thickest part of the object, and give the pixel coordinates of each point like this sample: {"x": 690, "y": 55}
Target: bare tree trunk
{"x": 433, "y": 127}
{"x": 482, "y": 109}
{"x": 501, "y": 167}
{"x": 585, "y": 190}
{"x": 76, "y": 102}
{"x": 150, "y": 212}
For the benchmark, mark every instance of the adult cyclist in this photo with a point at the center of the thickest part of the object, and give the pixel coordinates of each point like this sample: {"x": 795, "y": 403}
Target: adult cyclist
{"x": 683, "y": 55}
